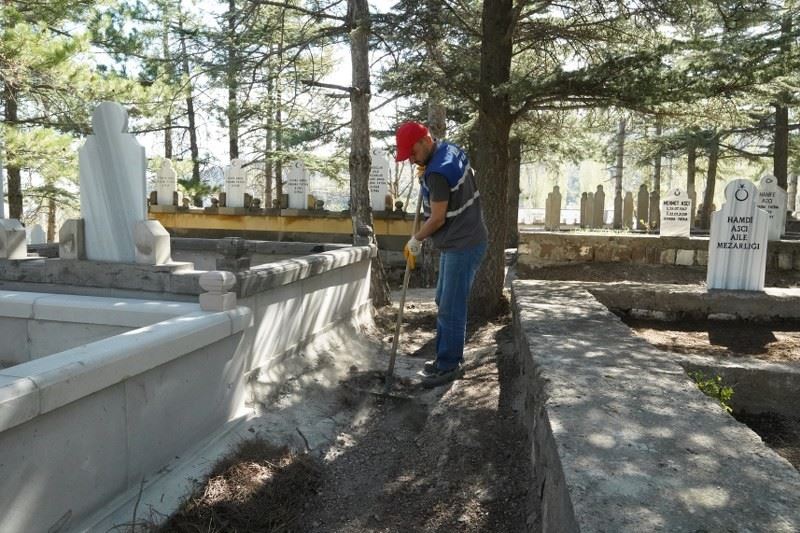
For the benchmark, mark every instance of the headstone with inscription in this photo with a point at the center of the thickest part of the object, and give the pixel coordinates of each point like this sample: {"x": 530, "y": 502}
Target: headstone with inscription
{"x": 166, "y": 183}
{"x": 379, "y": 180}
{"x": 552, "y": 212}
{"x": 737, "y": 245}
{"x": 642, "y": 207}
{"x": 590, "y": 210}
{"x": 655, "y": 208}
{"x": 617, "y": 223}
{"x": 297, "y": 186}
{"x": 772, "y": 199}
{"x": 235, "y": 184}
{"x": 38, "y": 235}
{"x": 627, "y": 210}
{"x": 676, "y": 213}
{"x": 113, "y": 186}
{"x": 584, "y": 220}
{"x": 599, "y": 208}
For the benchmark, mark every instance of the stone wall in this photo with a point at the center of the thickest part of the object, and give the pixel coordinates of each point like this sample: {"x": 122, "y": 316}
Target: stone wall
{"x": 544, "y": 248}
{"x": 623, "y": 440}
{"x": 87, "y": 425}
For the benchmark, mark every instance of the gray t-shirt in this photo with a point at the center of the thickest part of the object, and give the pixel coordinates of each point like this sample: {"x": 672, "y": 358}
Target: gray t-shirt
{"x": 465, "y": 230}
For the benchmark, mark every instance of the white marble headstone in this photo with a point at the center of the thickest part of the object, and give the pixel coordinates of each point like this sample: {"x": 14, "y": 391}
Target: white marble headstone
{"x": 773, "y": 199}
{"x": 676, "y": 213}
{"x": 113, "y": 186}
{"x": 378, "y": 180}
{"x": 235, "y": 184}
{"x": 166, "y": 183}
{"x": 38, "y": 236}
{"x": 297, "y": 186}
{"x": 737, "y": 246}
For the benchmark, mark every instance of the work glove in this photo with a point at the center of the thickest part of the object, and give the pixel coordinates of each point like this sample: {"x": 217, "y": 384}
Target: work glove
{"x": 411, "y": 250}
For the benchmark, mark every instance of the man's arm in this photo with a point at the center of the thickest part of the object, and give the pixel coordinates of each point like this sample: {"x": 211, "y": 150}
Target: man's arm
{"x": 436, "y": 221}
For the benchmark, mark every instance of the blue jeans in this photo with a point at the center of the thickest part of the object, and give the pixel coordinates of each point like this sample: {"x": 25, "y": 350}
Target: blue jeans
{"x": 457, "y": 270}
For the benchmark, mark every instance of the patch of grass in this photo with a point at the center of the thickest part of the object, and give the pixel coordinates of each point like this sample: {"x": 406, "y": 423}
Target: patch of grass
{"x": 715, "y": 388}
{"x": 257, "y": 488}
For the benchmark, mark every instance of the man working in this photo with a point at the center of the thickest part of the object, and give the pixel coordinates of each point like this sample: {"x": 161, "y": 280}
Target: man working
{"x": 454, "y": 220}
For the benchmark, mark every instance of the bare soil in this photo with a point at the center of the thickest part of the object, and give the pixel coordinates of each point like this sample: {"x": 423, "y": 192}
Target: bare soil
{"x": 781, "y": 433}
{"x": 608, "y": 272}
{"x": 448, "y": 459}
{"x": 770, "y": 341}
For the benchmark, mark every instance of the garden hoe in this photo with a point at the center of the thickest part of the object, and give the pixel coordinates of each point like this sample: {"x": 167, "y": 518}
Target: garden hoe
{"x": 390, "y": 372}
{"x": 361, "y": 383}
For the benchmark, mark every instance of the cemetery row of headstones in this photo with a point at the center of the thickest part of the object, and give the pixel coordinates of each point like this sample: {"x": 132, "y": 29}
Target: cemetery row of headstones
{"x": 296, "y": 187}
{"x": 673, "y": 215}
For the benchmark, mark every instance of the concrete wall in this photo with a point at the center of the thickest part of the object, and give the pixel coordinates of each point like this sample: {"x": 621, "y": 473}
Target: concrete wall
{"x": 37, "y": 325}
{"x": 623, "y": 441}
{"x": 553, "y": 248}
{"x": 89, "y": 424}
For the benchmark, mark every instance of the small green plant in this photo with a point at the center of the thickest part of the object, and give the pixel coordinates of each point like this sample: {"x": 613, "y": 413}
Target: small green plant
{"x": 713, "y": 387}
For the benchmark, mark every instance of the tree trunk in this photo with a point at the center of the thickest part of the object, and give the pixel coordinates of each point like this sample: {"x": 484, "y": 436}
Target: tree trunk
{"x": 493, "y": 129}
{"x": 14, "y": 174}
{"x": 711, "y": 183}
{"x": 691, "y": 170}
{"x": 278, "y": 114}
{"x": 51, "y": 220}
{"x": 655, "y": 198}
{"x": 168, "y": 61}
{"x": 193, "y": 148}
{"x": 278, "y": 147}
{"x": 360, "y": 153}
{"x": 780, "y": 156}
{"x": 618, "y": 174}
{"x": 437, "y": 124}
{"x": 232, "y": 83}
{"x": 268, "y": 147}
{"x": 2, "y": 183}
{"x": 514, "y": 163}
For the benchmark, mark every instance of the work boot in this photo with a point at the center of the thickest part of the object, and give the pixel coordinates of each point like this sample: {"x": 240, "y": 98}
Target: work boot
{"x": 440, "y": 377}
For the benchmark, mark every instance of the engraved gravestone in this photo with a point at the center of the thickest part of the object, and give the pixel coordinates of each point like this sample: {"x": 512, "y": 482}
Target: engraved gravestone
{"x": 552, "y": 217}
{"x": 642, "y": 207}
{"x": 617, "y": 209}
{"x": 378, "y": 180}
{"x": 772, "y": 199}
{"x": 113, "y": 187}
{"x": 590, "y": 210}
{"x": 655, "y": 208}
{"x": 584, "y": 221}
{"x": 599, "y": 208}
{"x": 676, "y": 212}
{"x": 38, "y": 236}
{"x": 235, "y": 184}
{"x": 627, "y": 210}
{"x": 297, "y": 186}
{"x": 737, "y": 246}
{"x": 166, "y": 183}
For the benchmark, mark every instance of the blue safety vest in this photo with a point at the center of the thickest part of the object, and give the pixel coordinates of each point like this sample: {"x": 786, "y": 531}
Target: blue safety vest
{"x": 451, "y": 162}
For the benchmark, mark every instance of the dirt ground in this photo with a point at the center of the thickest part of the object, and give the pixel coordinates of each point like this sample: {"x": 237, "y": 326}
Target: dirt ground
{"x": 448, "y": 459}
{"x": 606, "y": 272}
{"x": 773, "y": 341}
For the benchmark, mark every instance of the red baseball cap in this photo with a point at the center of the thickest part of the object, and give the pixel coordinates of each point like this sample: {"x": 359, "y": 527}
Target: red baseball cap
{"x": 407, "y": 136}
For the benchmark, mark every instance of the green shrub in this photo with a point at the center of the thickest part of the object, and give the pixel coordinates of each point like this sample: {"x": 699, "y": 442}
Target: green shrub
{"x": 713, "y": 387}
